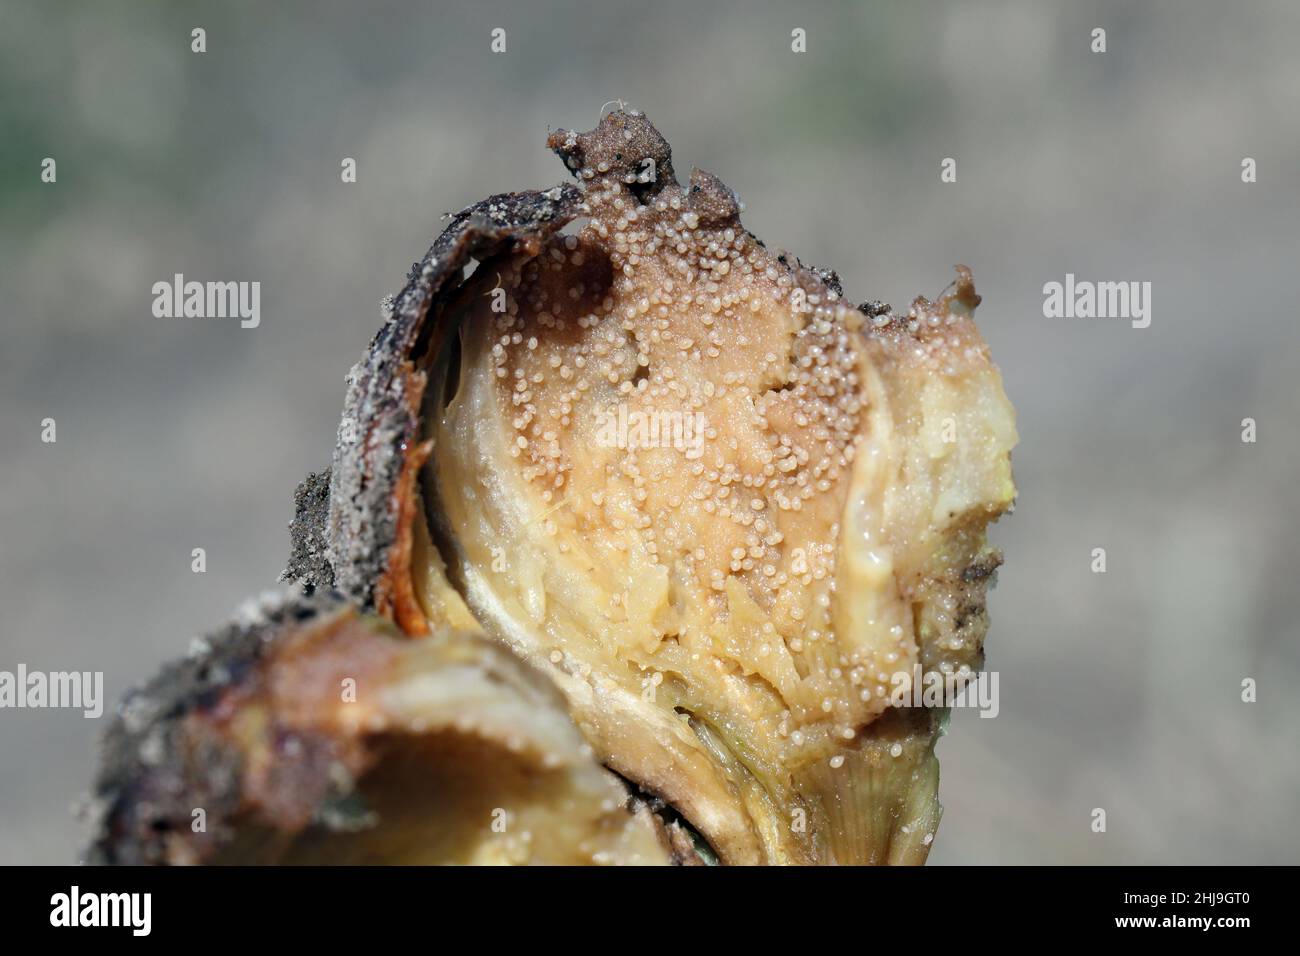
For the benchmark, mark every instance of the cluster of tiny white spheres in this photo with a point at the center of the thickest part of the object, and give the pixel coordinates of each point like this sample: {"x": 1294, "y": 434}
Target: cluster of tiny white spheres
{"x": 821, "y": 381}
{"x": 686, "y": 292}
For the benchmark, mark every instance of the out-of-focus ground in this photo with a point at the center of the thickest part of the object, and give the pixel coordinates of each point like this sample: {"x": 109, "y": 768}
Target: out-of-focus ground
{"x": 1118, "y": 690}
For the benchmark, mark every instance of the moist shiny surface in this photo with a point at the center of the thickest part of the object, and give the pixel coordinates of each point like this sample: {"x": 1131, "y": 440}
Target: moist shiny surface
{"x": 728, "y": 509}
{"x": 706, "y": 557}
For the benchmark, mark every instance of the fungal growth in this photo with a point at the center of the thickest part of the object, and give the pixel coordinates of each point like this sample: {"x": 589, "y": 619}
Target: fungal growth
{"x": 727, "y": 510}
{"x": 697, "y": 522}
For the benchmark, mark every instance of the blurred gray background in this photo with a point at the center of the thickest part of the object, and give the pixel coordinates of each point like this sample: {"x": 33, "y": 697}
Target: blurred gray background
{"x": 1118, "y": 690}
